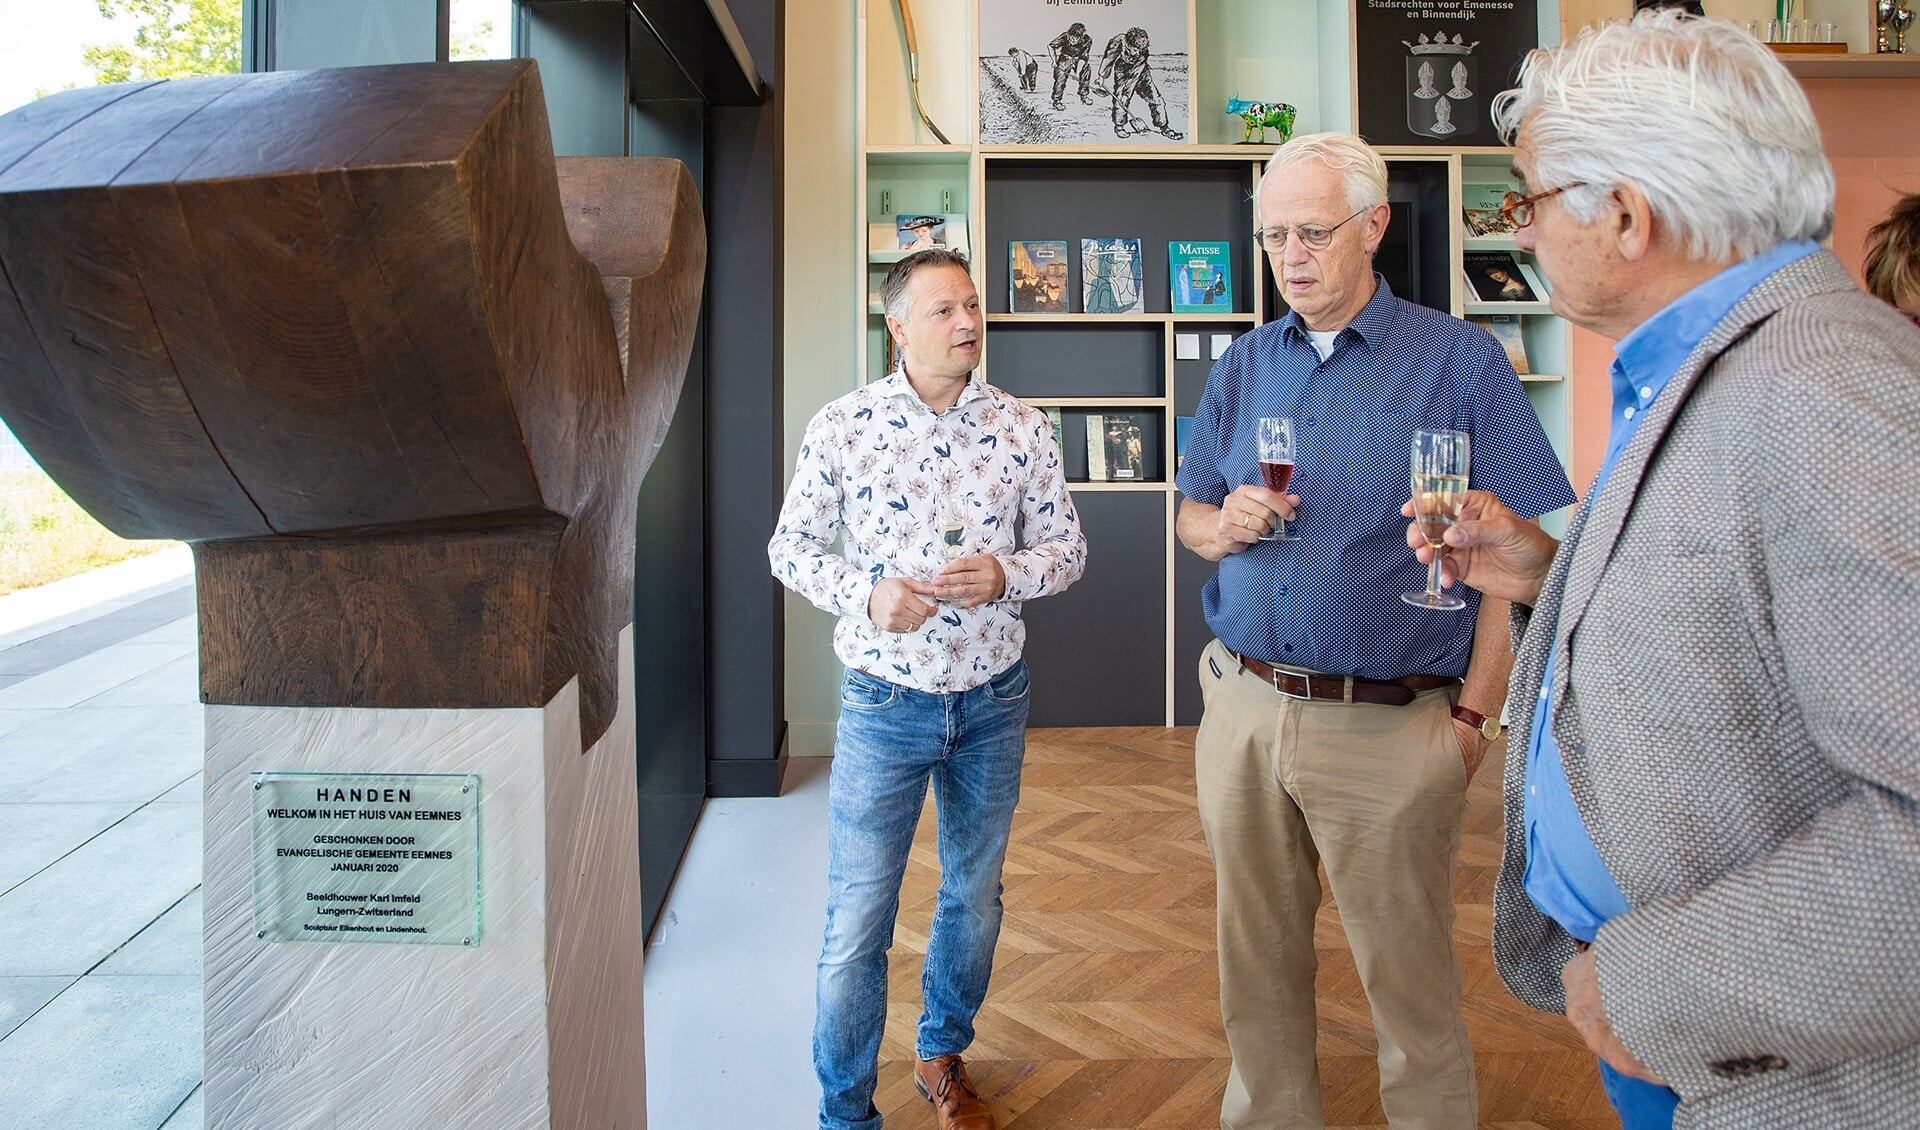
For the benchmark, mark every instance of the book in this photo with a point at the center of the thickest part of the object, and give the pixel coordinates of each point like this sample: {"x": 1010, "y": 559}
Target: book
{"x": 1054, "y": 417}
{"x": 1480, "y": 209}
{"x": 922, "y": 230}
{"x": 1496, "y": 276}
{"x": 1111, "y": 275}
{"x": 1200, "y": 277}
{"x": 1182, "y": 432}
{"x": 1116, "y": 448}
{"x": 1505, "y": 329}
{"x": 1037, "y": 276}
{"x": 1096, "y": 448}
{"x": 889, "y": 241}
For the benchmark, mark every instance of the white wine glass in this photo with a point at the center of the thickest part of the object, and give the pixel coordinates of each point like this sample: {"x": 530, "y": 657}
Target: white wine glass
{"x": 1275, "y": 438}
{"x": 953, "y": 527}
{"x": 1439, "y": 490}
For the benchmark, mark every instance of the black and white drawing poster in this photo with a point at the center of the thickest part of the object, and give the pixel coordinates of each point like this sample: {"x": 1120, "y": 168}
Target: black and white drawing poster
{"x": 1427, "y": 70}
{"x": 1116, "y": 72}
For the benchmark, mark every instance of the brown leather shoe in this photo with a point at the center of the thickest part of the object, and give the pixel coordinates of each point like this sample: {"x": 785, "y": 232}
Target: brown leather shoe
{"x": 943, "y": 1080}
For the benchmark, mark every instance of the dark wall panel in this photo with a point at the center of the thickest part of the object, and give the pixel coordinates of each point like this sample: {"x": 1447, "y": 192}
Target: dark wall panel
{"x": 1191, "y": 572}
{"x": 1097, "y": 652}
{"x": 1190, "y": 376}
{"x": 745, "y": 475}
{"x": 582, "y": 52}
{"x": 669, "y": 641}
{"x": 1048, "y": 359}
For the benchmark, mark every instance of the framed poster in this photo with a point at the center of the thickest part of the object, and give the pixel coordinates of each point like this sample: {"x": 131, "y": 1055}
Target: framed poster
{"x": 1114, "y": 73}
{"x": 1426, "y": 74}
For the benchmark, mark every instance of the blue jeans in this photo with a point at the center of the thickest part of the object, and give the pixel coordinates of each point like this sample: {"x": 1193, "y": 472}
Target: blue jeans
{"x": 1641, "y": 1105}
{"x": 891, "y": 740}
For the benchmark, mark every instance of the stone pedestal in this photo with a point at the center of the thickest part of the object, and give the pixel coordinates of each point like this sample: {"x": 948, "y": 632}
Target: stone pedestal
{"x": 538, "y": 1025}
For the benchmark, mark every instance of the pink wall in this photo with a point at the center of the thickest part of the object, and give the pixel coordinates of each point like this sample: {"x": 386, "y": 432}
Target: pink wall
{"x": 1872, "y": 132}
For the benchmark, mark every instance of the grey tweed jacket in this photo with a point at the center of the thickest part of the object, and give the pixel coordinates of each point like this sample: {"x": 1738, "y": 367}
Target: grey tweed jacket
{"x": 1736, "y": 617}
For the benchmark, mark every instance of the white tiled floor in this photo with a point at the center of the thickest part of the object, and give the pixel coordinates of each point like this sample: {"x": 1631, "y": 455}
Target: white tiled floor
{"x": 730, "y": 970}
{"x": 100, "y": 828}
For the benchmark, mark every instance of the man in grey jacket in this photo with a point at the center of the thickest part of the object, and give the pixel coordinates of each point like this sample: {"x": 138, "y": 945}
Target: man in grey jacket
{"x": 1712, "y": 860}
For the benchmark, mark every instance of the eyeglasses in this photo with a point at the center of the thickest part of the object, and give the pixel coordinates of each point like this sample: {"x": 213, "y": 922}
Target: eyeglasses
{"x": 1312, "y": 237}
{"x": 1519, "y": 209}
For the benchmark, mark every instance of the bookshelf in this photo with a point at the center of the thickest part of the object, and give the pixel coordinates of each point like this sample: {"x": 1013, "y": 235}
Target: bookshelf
{"x": 1120, "y": 647}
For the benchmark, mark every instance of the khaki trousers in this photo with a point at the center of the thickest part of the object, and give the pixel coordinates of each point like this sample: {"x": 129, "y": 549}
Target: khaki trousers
{"x": 1375, "y": 793}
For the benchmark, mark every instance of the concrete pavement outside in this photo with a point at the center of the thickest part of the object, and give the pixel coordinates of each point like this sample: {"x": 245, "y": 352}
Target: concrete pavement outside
{"x": 100, "y": 752}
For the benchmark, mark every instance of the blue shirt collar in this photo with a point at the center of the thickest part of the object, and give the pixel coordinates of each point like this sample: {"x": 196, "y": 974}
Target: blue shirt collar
{"x": 1649, "y": 356}
{"x": 1372, "y": 323}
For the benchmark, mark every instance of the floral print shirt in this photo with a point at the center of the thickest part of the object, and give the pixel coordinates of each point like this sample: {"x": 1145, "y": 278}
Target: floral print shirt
{"x": 880, "y": 469}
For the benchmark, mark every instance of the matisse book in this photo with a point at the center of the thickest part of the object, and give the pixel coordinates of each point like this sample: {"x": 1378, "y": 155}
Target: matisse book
{"x": 1037, "y": 276}
{"x": 1200, "y": 277}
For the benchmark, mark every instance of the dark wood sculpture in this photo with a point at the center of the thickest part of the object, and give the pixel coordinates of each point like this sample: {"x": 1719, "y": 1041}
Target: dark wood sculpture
{"x": 331, "y": 328}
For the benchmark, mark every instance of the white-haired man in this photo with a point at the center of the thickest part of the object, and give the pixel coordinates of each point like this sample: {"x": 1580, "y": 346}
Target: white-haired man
{"x": 1712, "y": 859}
{"x": 1337, "y": 729}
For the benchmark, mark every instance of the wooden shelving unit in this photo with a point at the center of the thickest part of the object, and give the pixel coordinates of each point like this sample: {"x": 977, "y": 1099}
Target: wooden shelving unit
{"x": 1120, "y": 647}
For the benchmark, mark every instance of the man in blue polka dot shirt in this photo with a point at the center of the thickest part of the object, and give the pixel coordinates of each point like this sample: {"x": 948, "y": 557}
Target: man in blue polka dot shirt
{"x": 1342, "y": 724}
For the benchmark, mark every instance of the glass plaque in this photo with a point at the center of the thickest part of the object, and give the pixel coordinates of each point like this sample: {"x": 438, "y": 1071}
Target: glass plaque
{"x": 367, "y": 857}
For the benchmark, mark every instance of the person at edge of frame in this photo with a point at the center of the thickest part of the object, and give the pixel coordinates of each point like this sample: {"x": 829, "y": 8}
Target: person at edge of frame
{"x": 1712, "y": 856}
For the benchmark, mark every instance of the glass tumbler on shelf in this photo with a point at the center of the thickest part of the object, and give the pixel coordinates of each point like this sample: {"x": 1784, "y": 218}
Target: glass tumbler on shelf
{"x": 1439, "y": 490}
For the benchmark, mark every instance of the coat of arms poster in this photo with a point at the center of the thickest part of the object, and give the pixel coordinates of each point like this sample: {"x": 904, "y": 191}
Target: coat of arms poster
{"x": 1427, "y": 72}
{"x": 1116, "y": 72}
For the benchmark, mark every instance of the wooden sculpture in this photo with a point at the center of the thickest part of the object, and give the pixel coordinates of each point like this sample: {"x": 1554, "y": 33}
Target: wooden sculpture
{"x": 396, "y": 375}
{"x": 347, "y": 333}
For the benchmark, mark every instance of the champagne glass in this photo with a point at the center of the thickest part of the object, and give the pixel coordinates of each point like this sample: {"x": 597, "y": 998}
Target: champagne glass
{"x": 953, "y": 528}
{"x": 1275, "y": 437}
{"x": 1439, "y": 490}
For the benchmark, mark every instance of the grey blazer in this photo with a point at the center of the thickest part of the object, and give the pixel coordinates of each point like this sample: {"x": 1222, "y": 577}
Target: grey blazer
{"x": 1736, "y": 617}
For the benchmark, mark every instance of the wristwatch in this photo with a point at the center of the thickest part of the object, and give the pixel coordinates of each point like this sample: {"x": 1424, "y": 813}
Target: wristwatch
{"x": 1489, "y": 727}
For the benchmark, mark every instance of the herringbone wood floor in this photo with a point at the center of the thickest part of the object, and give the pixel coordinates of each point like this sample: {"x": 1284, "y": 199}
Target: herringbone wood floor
{"x": 1104, "y": 1010}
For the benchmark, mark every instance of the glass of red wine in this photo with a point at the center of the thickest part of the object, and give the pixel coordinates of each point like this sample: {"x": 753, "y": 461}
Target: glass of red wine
{"x": 1275, "y": 437}
{"x": 1439, "y": 490}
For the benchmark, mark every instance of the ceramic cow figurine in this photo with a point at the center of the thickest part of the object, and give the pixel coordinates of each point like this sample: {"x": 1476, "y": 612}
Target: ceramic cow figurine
{"x": 1263, "y": 116}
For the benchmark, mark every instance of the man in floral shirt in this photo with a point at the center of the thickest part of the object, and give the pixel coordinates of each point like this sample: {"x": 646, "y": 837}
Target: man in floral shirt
{"x": 951, "y": 502}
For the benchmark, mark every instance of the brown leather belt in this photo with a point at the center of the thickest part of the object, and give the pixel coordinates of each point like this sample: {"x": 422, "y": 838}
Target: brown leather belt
{"x": 1342, "y": 688}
